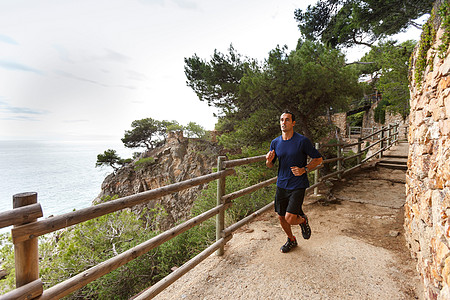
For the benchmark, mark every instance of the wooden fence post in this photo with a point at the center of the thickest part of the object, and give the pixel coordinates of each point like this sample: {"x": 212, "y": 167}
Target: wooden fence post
{"x": 389, "y": 135}
{"x": 220, "y": 218}
{"x": 26, "y": 253}
{"x": 316, "y": 175}
{"x": 381, "y": 142}
{"x": 339, "y": 162}
{"x": 397, "y": 133}
{"x": 358, "y": 158}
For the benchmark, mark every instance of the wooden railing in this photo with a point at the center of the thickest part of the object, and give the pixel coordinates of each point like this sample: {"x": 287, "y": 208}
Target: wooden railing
{"x": 27, "y": 228}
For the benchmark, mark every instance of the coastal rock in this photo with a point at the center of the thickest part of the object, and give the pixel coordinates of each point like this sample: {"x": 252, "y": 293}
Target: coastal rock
{"x": 177, "y": 160}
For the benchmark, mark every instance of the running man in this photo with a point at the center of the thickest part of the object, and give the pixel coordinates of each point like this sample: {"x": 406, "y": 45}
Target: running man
{"x": 292, "y": 150}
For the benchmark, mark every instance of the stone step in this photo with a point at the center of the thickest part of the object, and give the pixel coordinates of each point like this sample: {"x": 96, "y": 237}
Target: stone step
{"x": 395, "y": 162}
{"x": 392, "y": 166}
{"x": 396, "y": 156}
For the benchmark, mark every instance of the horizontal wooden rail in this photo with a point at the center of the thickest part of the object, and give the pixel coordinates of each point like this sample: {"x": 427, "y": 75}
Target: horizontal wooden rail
{"x": 168, "y": 280}
{"x": 373, "y": 144}
{"x": 331, "y": 145}
{"x": 350, "y": 157}
{"x": 248, "y": 190}
{"x": 367, "y": 158}
{"x": 28, "y": 231}
{"x": 20, "y": 215}
{"x": 229, "y": 230}
{"x": 78, "y": 281}
{"x": 330, "y": 160}
{"x": 351, "y": 145}
{"x": 28, "y": 291}
{"x": 243, "y": 161}
{"x": 331, "y": 175}
{"x": 373, "y": 134}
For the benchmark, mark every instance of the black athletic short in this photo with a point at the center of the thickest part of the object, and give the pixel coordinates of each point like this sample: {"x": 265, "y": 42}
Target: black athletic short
{"x": 290, "y": 201}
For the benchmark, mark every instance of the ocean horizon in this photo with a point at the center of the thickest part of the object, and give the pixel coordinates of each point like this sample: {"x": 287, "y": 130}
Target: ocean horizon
{"x": 62, "y": 173}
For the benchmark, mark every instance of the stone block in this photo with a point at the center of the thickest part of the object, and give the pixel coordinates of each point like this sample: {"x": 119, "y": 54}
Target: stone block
{"x": 444, "y": 83}
{"x": 444, "y": 69}
{"x": 417, "y": 118}
{"x": 444, "y": 127}
{"x": 446, "y": 271}
{"x": 443, "y": 96}
{"x": 422, "y": 101}
{"x": 434, "y": 132}
{"x": 425, "y": 212}
{"x": 437, "y": 112}
{"x": 421, "y": 134}
{"x": 444, "y": 294}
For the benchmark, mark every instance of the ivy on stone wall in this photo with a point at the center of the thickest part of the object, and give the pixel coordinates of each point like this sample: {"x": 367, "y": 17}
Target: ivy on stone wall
{"x": 444, "y": 13}
{"x": 427, "y": 38}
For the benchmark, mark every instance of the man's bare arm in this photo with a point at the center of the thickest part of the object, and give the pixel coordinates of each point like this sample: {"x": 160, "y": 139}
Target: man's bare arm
{"x": 269, "y": 158}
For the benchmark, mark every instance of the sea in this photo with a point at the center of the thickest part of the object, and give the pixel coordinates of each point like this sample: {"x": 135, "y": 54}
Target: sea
{"x": 62, "y": 173}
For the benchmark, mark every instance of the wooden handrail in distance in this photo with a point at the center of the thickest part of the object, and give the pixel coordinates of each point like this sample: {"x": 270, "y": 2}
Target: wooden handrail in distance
{"x": 28, "y": 231}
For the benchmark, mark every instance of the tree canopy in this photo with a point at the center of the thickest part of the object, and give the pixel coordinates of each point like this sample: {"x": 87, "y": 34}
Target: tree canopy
{"x": 344, "y": 23}
{"x": 308, "y": 81}
{"x": 148, "y": 132}
{"x": 390, "y": 71}
{"x": 109, "y": 158}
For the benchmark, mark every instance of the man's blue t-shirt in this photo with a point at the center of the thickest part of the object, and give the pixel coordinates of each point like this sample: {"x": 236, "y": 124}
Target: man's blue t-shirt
{"x": 290, "y": 153}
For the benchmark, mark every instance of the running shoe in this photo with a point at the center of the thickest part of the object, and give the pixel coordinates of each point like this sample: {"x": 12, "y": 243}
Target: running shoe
{"x": 306, "y": 230}
{"x": 289, "y": 245}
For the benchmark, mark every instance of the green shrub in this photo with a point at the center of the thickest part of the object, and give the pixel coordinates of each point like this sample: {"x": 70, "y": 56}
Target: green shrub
{"x": 144, "y": 163}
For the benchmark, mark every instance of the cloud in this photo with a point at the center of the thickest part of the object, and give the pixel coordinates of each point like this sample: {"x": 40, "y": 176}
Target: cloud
{"x": 62, "y": 52}
{"x": 11, "y": 65}
{"x": 71, "y": 76}
{"x": 76, "y": 121}
{"x": 157, "y": 2}
{"x": 8, "y": 40}
{"x": 75, "y": 77}
{"x": 133, "y": 75}
{"x": 10, "y": 112}
{"x": 187, "y": 4}
{"x": 109, "y": 55}
{"x": 115, "y": 56}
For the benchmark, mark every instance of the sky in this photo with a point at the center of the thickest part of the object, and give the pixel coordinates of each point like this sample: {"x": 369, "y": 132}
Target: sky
{"x": 78, "y": 70}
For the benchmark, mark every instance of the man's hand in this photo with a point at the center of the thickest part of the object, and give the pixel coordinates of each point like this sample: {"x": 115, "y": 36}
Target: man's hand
{"x": 298, "y": 171}
{"x": 269, "y": 158}
{"x": 311, "y": 166}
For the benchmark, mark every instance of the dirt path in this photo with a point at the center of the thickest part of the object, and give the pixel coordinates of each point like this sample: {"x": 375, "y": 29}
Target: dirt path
{"x": 357, "y": 250}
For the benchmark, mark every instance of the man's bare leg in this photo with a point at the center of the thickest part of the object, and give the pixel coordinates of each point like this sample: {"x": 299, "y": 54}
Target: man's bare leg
{"x": 286, "y": 227}
{"x": 294, "y": 219}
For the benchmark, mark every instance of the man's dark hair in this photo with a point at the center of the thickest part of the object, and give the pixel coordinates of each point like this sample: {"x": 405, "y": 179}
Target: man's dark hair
{"x": 287, "y": 111}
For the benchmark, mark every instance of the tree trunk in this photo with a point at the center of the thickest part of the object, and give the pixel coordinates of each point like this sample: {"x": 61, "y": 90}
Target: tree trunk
{"x": 302, "y": 125}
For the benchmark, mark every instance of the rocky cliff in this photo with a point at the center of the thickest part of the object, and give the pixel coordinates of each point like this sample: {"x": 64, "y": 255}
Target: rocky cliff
{"x": 177, "y": 160}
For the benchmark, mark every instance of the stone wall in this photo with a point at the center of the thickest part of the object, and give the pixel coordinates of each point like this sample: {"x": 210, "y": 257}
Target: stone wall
{"x": 340, "y": 121}
{"x": 391, "y": 118}
{"x": 427, "y": 207}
